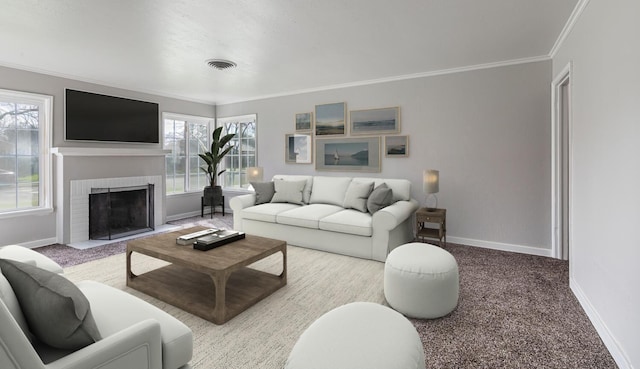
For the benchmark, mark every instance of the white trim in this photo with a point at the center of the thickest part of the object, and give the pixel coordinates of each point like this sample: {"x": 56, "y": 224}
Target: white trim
{"x": 26, "y": 212}
{"x": 529, "y": 250}
{"x": 609, "y": 340}
{"x": 94, "y": 151}
{"x": 398, "y": 78}
{"x": 571, "y": 22}
{"x": 38, "y": 243}
{"x": 556, "y": 158}
{"x": 190, "y": 214}
{"x": 187, "y": 117}
{"x": 45, "y": 129}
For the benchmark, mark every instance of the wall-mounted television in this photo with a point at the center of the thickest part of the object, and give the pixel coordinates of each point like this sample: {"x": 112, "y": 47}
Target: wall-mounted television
{"x": 95, "y": 117}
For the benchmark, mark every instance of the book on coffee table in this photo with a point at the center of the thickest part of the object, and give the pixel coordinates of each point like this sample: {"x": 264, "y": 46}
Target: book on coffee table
{"x": 217, "y": 239}
{"x": 189, "y": 239}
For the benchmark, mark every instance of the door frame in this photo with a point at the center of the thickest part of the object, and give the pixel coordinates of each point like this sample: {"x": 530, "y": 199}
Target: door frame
{"x": 557, "y": 143}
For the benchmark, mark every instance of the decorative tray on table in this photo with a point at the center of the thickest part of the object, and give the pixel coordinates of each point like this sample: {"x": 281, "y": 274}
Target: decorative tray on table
{"x": 222, "y": 237}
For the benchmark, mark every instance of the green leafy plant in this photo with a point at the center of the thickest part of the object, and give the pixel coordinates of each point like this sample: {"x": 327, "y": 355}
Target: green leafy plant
{"x": 214, "y": 157}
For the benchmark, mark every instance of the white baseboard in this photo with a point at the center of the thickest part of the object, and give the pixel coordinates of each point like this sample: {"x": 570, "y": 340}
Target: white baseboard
{"x": 608, "y": 339}
{"x": 193, "y": 214}
{"x": 501, "y": 246}
{"x": 39, "y": 243}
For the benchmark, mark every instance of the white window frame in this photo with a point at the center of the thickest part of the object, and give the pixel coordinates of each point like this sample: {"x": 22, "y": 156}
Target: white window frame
{"x": 210, "y": 122}
{"x": 240, "y": 119}
{"x": 45, "y": 121}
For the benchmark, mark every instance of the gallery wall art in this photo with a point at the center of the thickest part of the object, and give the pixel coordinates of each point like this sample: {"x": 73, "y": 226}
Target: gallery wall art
{"x": 298, "y": 148}
{"x": 331, "y": 119}
{"x": 375, "y": 121}
{"x": 360, "y": 154}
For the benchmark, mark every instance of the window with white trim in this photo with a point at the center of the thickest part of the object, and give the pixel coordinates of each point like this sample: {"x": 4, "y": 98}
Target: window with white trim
{"x": 243, "y": 154}
{"x": 186, "y": 137}
{"x": 25, "y": 146}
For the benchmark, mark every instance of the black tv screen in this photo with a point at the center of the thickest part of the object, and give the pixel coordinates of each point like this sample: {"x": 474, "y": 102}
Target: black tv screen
{"x": 95, "y": 117}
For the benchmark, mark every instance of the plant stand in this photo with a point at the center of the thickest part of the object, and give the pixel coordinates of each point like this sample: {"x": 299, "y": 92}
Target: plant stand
{"x": 213, "y": 202}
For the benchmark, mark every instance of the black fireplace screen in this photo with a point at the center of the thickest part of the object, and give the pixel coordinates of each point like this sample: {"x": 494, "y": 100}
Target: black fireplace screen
{"x": 120, "y": 212}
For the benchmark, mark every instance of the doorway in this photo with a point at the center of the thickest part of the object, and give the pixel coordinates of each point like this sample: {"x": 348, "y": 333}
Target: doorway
{"x": 561, "y": 165}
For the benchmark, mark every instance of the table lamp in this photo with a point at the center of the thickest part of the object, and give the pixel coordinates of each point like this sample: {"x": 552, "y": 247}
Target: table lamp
{"x": 255, "y": 174}
{"x": 431, "y": 186}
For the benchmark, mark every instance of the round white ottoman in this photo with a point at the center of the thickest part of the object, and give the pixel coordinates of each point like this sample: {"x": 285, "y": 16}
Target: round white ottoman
{"x": 421, "y": 280}
{"x": 358, "y": 335}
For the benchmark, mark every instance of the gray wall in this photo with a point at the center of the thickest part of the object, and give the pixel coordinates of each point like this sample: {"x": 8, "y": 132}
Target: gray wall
{"x": 606, "y": 146}
{"x": 41, "y": 230}
{"x": 487, "y": 131}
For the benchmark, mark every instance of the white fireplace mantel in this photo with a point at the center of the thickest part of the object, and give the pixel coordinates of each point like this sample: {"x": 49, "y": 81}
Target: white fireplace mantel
{"x": 94, "y": 151}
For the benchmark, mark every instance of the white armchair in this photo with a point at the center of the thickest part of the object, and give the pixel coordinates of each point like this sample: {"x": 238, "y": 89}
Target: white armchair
{"x": 135, "y": 334}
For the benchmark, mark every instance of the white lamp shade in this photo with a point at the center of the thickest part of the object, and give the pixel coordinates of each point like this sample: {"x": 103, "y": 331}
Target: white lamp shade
{"x": 254, "y": 174}
{"x": 431, "y": 181}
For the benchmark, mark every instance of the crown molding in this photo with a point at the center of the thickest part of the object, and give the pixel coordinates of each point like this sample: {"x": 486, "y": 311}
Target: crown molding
{"x": 571, "y": 22}
{"x": 398, "y": 78}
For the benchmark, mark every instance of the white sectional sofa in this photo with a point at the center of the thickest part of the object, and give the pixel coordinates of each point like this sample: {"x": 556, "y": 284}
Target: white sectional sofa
{"x": 325, "y": 221}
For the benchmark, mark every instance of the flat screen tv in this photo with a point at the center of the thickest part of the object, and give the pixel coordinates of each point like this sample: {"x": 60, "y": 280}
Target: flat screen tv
{"x": 95, "y": 117}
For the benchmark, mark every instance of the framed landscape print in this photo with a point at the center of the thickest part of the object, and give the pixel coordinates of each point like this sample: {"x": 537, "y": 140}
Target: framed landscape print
{"x": 375, "y": 121}
{"x": 304, "y": 122}
{"x": 360, "y": 154}
{"x": 331, "y": 119}
{"x": 298, "y": 148}
{"x": 396, "y": 146}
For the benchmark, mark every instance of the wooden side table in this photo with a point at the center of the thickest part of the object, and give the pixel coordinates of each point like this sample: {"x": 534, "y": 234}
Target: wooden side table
{"x": 211, "y": 202}
{"x": 438, "y": 217}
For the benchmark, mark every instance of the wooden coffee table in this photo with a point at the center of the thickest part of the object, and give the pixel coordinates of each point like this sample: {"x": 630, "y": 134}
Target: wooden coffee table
{"x": 215, "y": 285}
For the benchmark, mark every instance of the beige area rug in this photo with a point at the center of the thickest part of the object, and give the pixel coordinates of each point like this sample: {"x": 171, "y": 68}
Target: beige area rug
{"x": 263, "y": 336}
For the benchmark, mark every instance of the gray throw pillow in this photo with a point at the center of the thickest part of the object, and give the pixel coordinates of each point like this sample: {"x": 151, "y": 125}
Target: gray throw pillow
{"x": 57, "y": 312}
{"x": 381, "y": 196}
{"x": 288, "y": 191}
{"x": 264, "y": 191}
{"x": 357, "y": 195}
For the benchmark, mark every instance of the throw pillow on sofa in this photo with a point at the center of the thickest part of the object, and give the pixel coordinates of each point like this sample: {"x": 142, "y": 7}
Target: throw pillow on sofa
{"x": 57, "y": 312}
{"x": 264, "y": 191}
{"x": 288, "y": 191}
{"x": 357, "y": 195}
{"x": 381, "y": 197}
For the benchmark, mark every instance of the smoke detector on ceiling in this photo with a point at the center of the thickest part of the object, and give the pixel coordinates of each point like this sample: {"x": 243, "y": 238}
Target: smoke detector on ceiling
{"x": 220, "y": 64}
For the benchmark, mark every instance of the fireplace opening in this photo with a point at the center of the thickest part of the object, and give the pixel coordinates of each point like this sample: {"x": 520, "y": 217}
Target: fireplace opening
{"x": 120, "y": 211}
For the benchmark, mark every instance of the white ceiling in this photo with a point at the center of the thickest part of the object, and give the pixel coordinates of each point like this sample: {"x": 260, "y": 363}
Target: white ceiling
{"x": 280, "y": 46}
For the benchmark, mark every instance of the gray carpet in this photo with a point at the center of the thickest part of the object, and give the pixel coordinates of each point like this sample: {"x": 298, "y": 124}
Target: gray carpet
{"x": 515, "y": 311}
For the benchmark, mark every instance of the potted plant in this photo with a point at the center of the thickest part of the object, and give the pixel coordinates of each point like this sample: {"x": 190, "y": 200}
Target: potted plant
{"x": 212, "y": 160}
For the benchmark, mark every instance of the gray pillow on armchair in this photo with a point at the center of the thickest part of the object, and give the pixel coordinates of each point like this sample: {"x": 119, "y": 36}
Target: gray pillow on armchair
{"x": 57, "y": 312}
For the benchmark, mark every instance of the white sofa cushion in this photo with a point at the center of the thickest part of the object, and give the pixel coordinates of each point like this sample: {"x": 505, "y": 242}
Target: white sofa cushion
{"x": 348, "y": 221}
{"x": 288, "y": 191}
{"x": 267, "y": 212}
{"x": 307, "y": 216}
{"x": 401, "y": 187}
{"x": 329, "y": 190}
{"x": 306, "y": 192}
{"x": 357, "y": 195}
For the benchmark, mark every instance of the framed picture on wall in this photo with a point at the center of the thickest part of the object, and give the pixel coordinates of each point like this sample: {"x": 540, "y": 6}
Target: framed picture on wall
{"x": 396, "y": 146}
{"x": 375, "y": 121}
{"x": 298, "y": 148}
{"x": 304, "y": 122}
{"x": 331, "y": 119}
{"x": 360, "y": 154}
